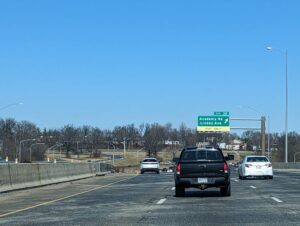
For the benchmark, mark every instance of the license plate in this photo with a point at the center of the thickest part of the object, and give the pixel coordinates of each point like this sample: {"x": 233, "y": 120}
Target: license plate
{"x": 258, "y": 167}
{"x": 202, "y": 180}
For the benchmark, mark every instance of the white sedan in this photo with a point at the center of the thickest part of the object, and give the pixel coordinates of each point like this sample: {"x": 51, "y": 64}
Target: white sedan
{"x": 255, "y": 166}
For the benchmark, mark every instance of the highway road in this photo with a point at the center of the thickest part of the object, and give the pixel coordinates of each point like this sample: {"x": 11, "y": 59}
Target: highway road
{"x": 148, "y": 199}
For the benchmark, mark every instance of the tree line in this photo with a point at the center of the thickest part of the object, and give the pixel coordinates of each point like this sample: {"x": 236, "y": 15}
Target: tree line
{"x": 18, "y": 139}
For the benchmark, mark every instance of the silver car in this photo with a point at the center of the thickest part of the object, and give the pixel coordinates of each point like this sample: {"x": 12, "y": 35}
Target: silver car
{"x": 149, "y": 165}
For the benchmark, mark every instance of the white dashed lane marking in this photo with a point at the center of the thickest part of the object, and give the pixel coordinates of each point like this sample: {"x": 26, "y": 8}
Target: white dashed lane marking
{"x": 173, "y": 188}
{"x": 276, "y": 199}
{"x": 235, "y": 179}
{"x": 253, "y": 187}
{"x": 161, "y": 201}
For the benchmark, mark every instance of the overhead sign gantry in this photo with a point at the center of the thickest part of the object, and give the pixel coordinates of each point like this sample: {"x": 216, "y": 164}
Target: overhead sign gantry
{"x": 220, "y": 122}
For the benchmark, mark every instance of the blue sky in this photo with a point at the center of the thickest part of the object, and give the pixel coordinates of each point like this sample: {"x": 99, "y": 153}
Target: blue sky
{"x": 108, "y": 63}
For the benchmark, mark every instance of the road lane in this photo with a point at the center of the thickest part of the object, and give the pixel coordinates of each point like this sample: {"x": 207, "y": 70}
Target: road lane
{"x": 22, "y": 200}
{"x": 149, "y": 200}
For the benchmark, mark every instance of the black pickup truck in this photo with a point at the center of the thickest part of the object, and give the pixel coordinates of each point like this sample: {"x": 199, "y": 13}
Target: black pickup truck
{"x": 202, "y": 168}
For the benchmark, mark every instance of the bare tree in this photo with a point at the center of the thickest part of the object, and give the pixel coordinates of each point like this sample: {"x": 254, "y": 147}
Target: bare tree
{"x": 154, "y": 138}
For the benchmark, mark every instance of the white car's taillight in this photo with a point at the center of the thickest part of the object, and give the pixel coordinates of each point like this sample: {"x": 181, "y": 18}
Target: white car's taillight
{"x": 269, "y": 165}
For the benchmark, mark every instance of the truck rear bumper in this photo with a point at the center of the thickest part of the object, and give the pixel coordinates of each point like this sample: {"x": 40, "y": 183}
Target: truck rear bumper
{"x": 211, "y": 182}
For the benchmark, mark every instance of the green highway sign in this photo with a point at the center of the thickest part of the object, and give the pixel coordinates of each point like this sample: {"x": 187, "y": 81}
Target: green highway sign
{"x": 213, "y": 124}
{"x": 220, "y": 113}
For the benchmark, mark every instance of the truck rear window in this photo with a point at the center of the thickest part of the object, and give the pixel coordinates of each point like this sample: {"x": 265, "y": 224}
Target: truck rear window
{"x": 201, "y": 155}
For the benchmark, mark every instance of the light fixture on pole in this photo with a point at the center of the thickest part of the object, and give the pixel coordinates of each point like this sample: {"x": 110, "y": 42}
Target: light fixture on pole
{"x": 10, "y": 105}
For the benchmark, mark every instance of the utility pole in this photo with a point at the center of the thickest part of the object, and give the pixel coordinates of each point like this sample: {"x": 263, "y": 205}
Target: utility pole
{"x": 124, "y": 142}
{"x": 263, "y": 135}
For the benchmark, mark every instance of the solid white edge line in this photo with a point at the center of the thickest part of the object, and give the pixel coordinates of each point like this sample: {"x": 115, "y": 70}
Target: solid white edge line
{"x": 253, "y": 187}
{"x": 276, "y": 199}
{"x": 161, "y": 201}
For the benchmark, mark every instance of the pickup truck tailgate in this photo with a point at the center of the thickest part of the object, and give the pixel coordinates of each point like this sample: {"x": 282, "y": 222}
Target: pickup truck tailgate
{"x": 199, "y": 169}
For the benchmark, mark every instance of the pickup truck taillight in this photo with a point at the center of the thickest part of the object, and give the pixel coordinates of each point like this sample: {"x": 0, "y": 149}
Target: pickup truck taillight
{"x": 225, "y": 167}
{"x": 178, "y": 169}
{"x": 248, "y": 165}
{"x": 268, "y": 165}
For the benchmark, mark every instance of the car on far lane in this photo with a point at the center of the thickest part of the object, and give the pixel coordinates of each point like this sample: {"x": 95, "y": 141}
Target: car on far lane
{"x": 255, "y": 166}
{"x": 149, "y": 165}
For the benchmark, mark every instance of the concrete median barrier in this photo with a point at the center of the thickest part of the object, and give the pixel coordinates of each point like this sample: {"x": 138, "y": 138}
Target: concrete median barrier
{"x": 282, "y": 165}
{"x": 20, "y": 176}
{"x": 23, "y": 175}
{"x": 5, "y": 182}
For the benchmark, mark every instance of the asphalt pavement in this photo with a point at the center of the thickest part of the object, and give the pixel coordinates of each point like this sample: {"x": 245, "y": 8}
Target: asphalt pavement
{"x": 148, "y": 199}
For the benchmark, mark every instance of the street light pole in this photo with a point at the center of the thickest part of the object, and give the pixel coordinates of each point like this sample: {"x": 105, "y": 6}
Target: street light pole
{"x": 20, "y": 146}
{"x": 137, "y": 155}
{"x": 77, "y": 142}
{"x": 51, "y": 148}
{"x": 113, "y": 153}
{"x": 295, "y": 156}
{"x": 285, "y": 53}
{"x": 58, "y": 144}
{"x": 286, "y": 107}
{"x": 124, "y": 146}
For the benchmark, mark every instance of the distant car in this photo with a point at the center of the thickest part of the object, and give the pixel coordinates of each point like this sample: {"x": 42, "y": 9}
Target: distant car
{"x": 255, "y": 166}
{"x": 149, "y": 165}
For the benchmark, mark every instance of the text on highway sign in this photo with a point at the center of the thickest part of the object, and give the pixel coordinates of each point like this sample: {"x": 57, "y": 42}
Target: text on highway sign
{"x": 221, "y": 113}
{"x": 213, "y": 124}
